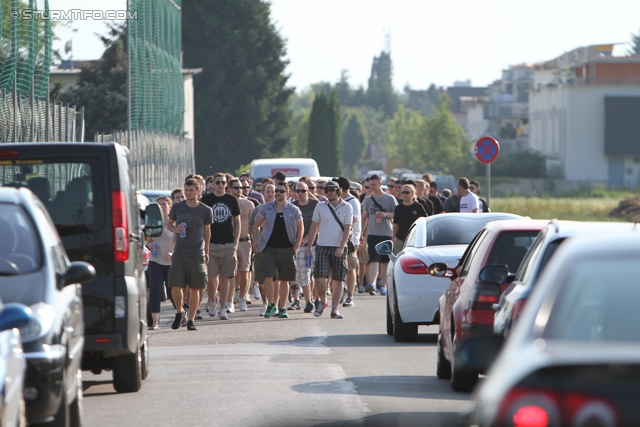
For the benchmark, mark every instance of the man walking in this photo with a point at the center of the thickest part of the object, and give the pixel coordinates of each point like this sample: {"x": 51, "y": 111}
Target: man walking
{"x": 332, "y": 222}
{"x": 352, "y": 258}
{"x": 279, "y": 242}
{"x": 251, "y": 193}
{"x": 307, "y": 207}
{"x": 468, "y": 200}
{"x": 377, "y": 219}
{"x": 225, "y": 236}
{"x": 474, "y": 187}
{"x": 244, "y": 245}
{"x": 191, "y": 220}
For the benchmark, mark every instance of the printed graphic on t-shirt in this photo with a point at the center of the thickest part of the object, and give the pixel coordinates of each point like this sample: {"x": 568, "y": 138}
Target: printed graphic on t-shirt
{"x": 221, "y": 212}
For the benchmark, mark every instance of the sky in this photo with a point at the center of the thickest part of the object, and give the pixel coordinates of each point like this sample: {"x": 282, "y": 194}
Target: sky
{"x": 432, "y": 41}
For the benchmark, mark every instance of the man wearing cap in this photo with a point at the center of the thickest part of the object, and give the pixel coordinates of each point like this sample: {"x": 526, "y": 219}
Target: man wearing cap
{"x": 352, "y": 258}
{"x": 332, "y": 220}
{"x": 279, "y": 177}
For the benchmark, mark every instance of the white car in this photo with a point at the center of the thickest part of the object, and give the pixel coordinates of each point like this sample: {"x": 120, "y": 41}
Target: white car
{"x": 413, "y": 294}
{"x": 573, "y": 358}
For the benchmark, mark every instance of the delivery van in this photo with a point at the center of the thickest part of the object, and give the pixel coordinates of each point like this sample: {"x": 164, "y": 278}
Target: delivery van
{"x": 263, "y": 168}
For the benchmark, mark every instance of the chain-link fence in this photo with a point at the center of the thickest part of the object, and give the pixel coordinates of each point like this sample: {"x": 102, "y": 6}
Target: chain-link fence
{"x": 160, "y": 161}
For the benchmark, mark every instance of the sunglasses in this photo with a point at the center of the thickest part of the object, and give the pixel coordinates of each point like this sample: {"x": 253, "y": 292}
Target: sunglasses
{"x": 366, "y": 187}
{"x": 246, "y": 187}
{"x": 221, "y": 182}
{"x": 406, "y": 192}
{"x": 330, "y": 189}
{"x": 301, "y": 191}
{"x": 211, "y": 189}
{"x": 237, "y": 188}
{"x": 281, "y": 191}
{"x": 312, "y": 188}
{"x": 320, "y": 188}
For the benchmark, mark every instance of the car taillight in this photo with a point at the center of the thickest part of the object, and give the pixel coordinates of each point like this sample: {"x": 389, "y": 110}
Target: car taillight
{"x": 483, "y": 296}
{"x": 120, "y": 227}
{"x": 9, "y": 153}
{"x": 412, "y": 265}
{"x": 528, "y": 407}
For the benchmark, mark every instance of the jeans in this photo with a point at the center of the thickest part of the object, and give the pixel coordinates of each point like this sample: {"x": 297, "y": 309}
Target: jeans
{"x": 158, "y": 275}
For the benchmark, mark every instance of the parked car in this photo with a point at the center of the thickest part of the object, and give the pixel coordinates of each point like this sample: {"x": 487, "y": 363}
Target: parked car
{"x": 12, "y": 364}
{"x": 513, "y": 299}
{"x": 574, "y": 357}
{"x": 152, "y": 195}
{"x": 412, "y": 294}
{"x": 483, "y": 273}
{"x": 35, "y": 271}
{"x": 89, "y": 193}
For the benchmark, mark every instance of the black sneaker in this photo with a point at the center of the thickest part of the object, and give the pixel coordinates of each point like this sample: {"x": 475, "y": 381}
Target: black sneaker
{"x": 198, "y": 316}
{"x": 295, "y": 305}
{"x": 178, "y": 320}
{"x": 308, "y": 308}
{"x": 191, "y": 326}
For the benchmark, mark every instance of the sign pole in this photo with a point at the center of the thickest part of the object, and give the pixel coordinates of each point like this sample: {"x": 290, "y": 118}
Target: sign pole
{"x": 489, "y": 184}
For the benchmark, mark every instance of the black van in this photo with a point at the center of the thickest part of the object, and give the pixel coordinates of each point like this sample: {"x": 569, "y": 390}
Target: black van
{"x": 89, "y": 193}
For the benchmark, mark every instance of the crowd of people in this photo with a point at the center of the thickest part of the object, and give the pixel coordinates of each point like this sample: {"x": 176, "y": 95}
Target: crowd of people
{"x": 284, "y": 241}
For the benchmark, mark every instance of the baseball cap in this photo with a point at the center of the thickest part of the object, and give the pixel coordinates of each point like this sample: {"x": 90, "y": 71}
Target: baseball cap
{"x": 281, "y": 176}
{"x": 343, "y": 182}
{"x": 330, "y": 184}
{"x": 355, "y": 186}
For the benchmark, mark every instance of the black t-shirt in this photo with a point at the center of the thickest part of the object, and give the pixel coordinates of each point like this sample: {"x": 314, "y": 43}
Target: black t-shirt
{"x": 405, "y": 216}
{"x": 307, "y": 213}
{"x": 279, "y": 237}
{"x": 224, "y": 209}
{"x": 437, "y": 204}
{"x": 427, "y": 205}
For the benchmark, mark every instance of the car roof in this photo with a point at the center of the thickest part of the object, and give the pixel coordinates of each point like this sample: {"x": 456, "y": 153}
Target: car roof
{"x": 501, "y": 215}
{"x": 283, "y": 161}
{"x": 12, "y": 194}
{"x": 564, "y": 228}
{"x": 510, "y": 225}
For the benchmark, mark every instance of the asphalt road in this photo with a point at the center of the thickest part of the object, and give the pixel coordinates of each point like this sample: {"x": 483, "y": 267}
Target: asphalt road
{"x": 301, "y": 371}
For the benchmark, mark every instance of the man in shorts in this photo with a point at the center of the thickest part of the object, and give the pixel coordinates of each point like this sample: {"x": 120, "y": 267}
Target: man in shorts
{"x": 352, "y": 258}
{"x": 279, "y": 242}
{"x": 304, "y": 276}
{"x": 190, "y": 220}
{"x": 331, "y": 250}
{"x": 225, "y": 236}
{"x": 244, "y": 245}
{"x": 377, "y": 213}
{"x": 269, "y": 193}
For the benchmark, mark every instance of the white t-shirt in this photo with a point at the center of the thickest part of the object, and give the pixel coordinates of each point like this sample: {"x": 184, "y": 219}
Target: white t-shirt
{"x": 356, "y": 225}
{"x": 329, "y": 231}
{"x": 469, "y": 202}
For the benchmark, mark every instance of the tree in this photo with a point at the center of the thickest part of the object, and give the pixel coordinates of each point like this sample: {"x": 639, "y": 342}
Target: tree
{"x": 635, "y": 44}
{"x": 324, "y": 137}
{"x": 102, "y": 87}
{"x": 354, "y": 142}
{"x": 241, "y": 96}
{"x": 406, "y": 139}
{"x": 380, "y": 94}
{"x": 447, "y": 141}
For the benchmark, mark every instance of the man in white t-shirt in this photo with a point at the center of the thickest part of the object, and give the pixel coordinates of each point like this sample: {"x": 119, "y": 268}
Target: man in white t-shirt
{"x": 352, "y": 258}
{"x": 468, "y": 200}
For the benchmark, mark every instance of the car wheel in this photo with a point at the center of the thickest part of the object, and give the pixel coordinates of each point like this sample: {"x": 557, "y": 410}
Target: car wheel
{"x": 461, "y": 380}
{"x": 443, "y": 367}
{"x": 145, "y": 360}
{"x": 403, "y": 332}
{"x": 127, "y": 372}
{"x": 389, "y": 319}
{"x": 76, "y": 411}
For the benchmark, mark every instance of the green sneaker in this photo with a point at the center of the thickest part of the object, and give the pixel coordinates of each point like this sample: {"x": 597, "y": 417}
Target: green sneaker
{"x": 271, "y": 310}
{"x": 282, "y": 313}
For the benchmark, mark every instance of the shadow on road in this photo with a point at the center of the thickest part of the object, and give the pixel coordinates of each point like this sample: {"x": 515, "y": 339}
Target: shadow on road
{"x": 403, "y": 419}
{"x": 415, "y": 386}
{"x": 357, "y": 340}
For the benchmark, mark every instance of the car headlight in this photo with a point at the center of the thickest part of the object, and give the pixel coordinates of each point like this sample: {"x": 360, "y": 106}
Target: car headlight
{"x": 40, "y": 324}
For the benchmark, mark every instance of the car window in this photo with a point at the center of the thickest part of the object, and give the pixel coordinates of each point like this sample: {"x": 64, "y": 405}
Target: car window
{"x": 471, "y": 253}
{"x": 454, "y": 230}
{"x": 598, "y": 301}
{"x": 528, "y": 262}
{"x": 510, "y": 248}
{"x": 20, "y": 248}
{"x": 411, "y": 237}
{"x": 72, "y": 192}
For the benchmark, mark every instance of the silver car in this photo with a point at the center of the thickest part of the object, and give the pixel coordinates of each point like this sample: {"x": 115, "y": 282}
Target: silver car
{"x": 574, "y": 356}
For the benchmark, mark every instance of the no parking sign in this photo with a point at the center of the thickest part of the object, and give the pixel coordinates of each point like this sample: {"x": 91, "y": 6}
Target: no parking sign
{"x": 487, "y": 150}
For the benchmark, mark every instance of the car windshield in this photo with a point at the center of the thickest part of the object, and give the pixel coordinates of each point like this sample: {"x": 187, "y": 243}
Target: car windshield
{"x": 455, "y": 230}
{"x": 598, "y": 301}
{"x": 19, "y": 247}
{"x": 71, "y": 192}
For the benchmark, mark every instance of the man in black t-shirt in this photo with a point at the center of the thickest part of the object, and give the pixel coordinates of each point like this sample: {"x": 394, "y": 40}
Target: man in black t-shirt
{"x": 225, "y": 236}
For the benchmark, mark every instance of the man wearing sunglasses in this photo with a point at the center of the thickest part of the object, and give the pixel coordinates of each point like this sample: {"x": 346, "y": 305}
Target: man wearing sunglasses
{"x": 244, "y": 246}
{"x": 225, "y": 236}
{"x": 331, "y": 250}
{"x": 247, "y": 181}
{"x": 279, "y": 242}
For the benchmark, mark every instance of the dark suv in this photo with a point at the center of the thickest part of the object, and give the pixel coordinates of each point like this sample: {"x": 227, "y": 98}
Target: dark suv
{"x": 89, "y": 193}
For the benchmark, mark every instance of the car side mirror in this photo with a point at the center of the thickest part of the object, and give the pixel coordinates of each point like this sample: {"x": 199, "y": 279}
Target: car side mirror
{"x": 478, "y": 353}
{"x": 385, "y": 248}
{"x": 438, "y": 269}
{"x": 78, "y": 272}
{"x": 14, "y": 315}
{"x": 153, "y": 220}
{"x": 495, "y": 274}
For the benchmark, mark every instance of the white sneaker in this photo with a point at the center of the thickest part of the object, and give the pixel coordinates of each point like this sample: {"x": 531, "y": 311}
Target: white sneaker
{"x": 230, "y": 308}
{"x": 256, "y": 293}
{"x": 243, "y": 304}
{"x": 223, "y": 314}
{"x": 213, "y": 307}
{"x": 263, "y": 309}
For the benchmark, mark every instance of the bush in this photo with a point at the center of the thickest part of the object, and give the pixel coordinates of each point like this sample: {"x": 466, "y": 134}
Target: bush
{"x": 522, "y": 164}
